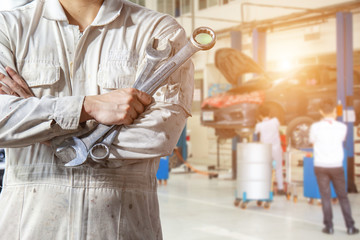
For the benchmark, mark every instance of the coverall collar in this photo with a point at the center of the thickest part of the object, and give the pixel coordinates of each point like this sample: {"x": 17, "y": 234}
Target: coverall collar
{"x": 108, "y": 12}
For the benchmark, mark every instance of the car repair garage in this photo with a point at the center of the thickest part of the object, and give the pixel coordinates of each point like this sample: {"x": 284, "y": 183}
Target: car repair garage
{"x": 270, "y": 148}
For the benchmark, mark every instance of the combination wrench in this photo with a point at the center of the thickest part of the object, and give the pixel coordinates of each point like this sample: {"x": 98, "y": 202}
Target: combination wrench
{"x": 76, "y": 149}
{"x": 202, "y": 38}
{"x": 101, "y": 151}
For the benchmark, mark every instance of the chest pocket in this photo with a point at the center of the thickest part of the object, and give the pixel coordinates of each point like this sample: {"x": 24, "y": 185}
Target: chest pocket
{"x": 118, "y": 71}
{"x": 41, "y": 76}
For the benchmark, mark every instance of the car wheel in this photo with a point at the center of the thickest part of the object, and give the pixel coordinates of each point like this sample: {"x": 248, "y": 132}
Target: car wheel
{"x": 298, "y": 132}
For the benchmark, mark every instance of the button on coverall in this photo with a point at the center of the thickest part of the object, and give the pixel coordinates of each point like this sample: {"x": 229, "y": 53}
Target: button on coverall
{"x": 41, "y": 198}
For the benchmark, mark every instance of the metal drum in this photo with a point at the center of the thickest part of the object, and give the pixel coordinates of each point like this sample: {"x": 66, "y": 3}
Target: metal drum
{"x": 254, "y": 171}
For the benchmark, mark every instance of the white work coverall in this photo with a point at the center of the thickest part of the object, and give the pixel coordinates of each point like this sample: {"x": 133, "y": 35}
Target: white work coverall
{"x": 269, "y": 133}
{"x": 41, "y": 198}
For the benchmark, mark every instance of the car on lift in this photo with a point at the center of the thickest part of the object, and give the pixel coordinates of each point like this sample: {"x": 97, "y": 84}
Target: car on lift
{"x": 293, "y": 98}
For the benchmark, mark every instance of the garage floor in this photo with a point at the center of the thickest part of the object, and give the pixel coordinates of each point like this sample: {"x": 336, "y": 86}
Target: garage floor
{"x": 195, "y": 207}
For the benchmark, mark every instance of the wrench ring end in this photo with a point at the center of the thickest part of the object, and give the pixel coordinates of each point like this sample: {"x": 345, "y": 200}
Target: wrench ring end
{"x": 207, "y": 32}
{"x": 99, "y": 152}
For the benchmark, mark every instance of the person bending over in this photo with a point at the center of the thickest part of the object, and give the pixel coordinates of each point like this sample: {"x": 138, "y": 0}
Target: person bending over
{"x": 268, "y": 128}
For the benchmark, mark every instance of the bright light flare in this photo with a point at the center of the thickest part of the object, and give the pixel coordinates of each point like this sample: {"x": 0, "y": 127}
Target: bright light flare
{"x": 286, "y": 65}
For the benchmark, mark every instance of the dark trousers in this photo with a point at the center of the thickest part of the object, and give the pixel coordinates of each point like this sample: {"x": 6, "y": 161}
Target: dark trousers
{"x": 336, "y": 176}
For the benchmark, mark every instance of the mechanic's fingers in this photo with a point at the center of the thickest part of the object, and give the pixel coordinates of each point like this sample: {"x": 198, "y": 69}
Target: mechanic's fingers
{"x": 143, "y": 97}
{"x": 140, "y": 100}
{"x": 138, "y": 106}
{"x": 5, "y": 88}
{"x": 19, "y": 80}
{"x": 12, "y": 87}
{"x": 126, "y": 115}
{"x": 133, "y": 114}
{"x": 1, "y": 91}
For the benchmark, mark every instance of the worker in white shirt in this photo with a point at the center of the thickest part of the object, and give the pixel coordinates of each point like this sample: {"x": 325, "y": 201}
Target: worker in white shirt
{"x": 327, "y": 136}
{"x": 268, "y": 128}
{"x": 65, "y": 66}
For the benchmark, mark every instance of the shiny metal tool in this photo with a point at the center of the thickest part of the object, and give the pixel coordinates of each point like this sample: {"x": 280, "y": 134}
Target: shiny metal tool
{"x": 203, "y": 38}
{"x": 77, "y": 149}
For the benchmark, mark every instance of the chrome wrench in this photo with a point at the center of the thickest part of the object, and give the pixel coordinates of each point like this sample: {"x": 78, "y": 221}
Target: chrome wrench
{"x": 153, "y": 58}
{"x": 100, "y": 151}
{"x": 202, "y": 38}
{"x": 194, "y": 45}
{"x": 77, "y": 148}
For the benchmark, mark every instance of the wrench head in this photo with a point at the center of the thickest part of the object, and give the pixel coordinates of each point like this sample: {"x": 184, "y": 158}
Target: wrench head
{"x": 99, "y": 152}
{"x": 203, "y": 38}
{"x": 81, "y": 153}
{"x": 153, "y": 52}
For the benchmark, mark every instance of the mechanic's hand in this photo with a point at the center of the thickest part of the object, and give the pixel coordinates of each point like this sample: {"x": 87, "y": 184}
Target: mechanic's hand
{"x": 14, "y": 85}
{"x": 118, "y": 107}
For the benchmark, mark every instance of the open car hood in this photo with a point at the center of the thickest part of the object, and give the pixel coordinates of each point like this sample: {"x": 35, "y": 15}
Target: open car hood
{"x": 233, "y": 64}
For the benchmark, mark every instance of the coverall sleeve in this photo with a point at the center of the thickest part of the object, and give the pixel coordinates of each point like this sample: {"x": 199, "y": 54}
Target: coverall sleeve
{"x": 27, "y": 121}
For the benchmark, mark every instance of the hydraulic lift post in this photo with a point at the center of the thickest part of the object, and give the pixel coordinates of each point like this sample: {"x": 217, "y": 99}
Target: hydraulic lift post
{"x": 345, "y": 82}
{"x": 259, "y": 55}
{"x": 259, "y": 46}
{"x": 236, "y": 43}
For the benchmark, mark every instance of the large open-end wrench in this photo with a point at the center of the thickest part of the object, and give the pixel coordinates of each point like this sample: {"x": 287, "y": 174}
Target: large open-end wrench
{"x": 153, "y": 57}
{"x": 76, "y": 148}
{"x": 202, "y": 38}
{"x": 100, "y": 151}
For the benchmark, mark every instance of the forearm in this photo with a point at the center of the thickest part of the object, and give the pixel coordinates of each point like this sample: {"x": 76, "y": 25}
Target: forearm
{"x": 153, "y": 135}
{"x": 27, "y": 121}
{"x": 157, "y": 131}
